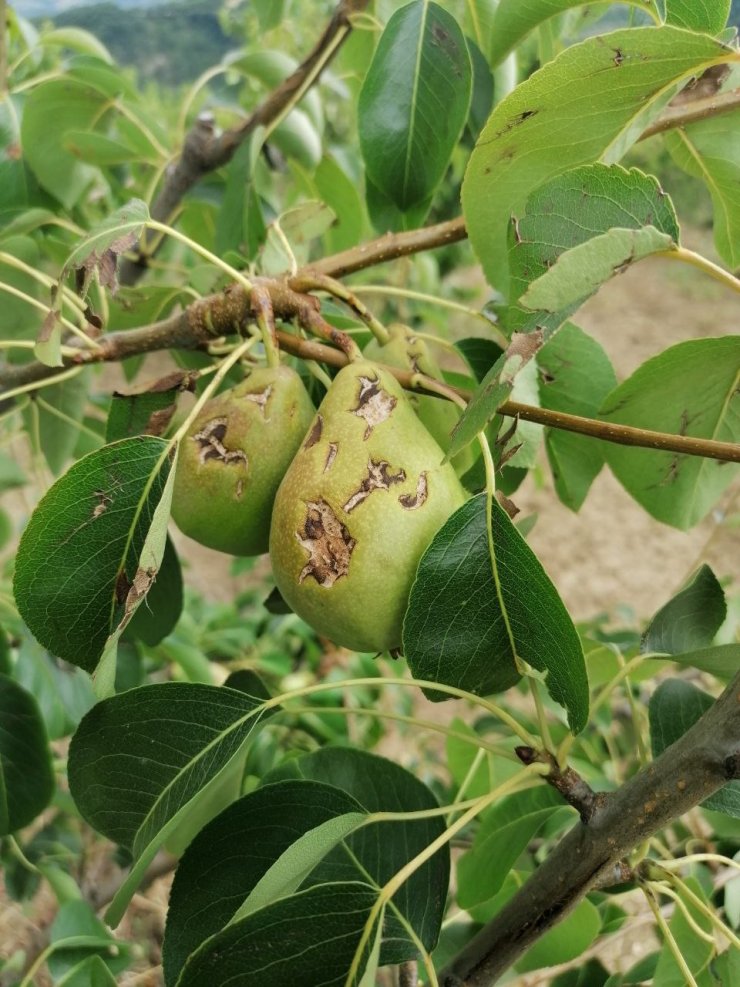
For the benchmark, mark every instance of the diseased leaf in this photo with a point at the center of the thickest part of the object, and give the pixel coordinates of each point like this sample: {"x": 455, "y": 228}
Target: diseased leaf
{"x": 459, "y": 631}
{"x": 689, "y": 389}
{"x": 674, "y": 707}
{"x": 579, "y": 272}
{"x": 414, "y": 102}
{"x": 100, "y": 249}
{"x": 78, "y": 569}
{"x": 691, "y": 619}
{"x": 142, "y": 761}
{"x": 26, "y": 776}
{"x": 611, "y": 84}
{"x": 160, "y": 611}
{"x": 570, "y": 211}
{"x": 148, "y": 409}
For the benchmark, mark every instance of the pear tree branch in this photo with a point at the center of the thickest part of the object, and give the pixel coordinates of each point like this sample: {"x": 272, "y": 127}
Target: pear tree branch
{"x": 688, "y": 772}
{"x": 231, "y": 310}
{"x": 204, "y": 151}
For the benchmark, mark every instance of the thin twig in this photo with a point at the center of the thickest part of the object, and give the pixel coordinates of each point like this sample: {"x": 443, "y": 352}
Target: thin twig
{"x": 693, "y": 112}
{"x": 203, "y": 151}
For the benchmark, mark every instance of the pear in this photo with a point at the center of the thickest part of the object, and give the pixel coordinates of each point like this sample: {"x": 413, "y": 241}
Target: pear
{"x": 408, "y": 352}
{"x": 233, "y": 458}
{"x": 361, "y": 501}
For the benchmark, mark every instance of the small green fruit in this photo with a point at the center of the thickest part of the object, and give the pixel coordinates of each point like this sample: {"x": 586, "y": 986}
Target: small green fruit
{"x": 233, "y": 458}
{"x": 408, "y": 352}
{"x": 358, "y": 506}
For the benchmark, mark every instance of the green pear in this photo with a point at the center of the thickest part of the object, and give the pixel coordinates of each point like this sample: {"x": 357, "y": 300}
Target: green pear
{"x": 233, "y": 458}
{"x": 407, "y": 352}
{"x": 360, "y": 503}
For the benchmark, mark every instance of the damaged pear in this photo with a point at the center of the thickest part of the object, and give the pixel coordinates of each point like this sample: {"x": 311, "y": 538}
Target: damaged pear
{"x": 233, "y": 458}
{"x": 407, "y": 351}
{"x": 355, "y": 511}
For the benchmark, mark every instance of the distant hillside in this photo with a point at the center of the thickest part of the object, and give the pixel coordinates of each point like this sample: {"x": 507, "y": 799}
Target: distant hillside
{"x": 170, "y": 43}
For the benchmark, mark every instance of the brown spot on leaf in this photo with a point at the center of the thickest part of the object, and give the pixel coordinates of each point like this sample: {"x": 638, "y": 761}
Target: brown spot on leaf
{"x": 379, "y": 477}
{"x": 210, "y": 440}
{"x": 159, "y": 420}
{"x": 413, "y": 501}
{"x": 374, "y": 405}
{"x": 328, "y": 543}
{"x": 104, "y": 502}
{"x": 137, "y": 591}
{"x": 508, "y": 505}
{"x": 331, "y": 456}
{"x": 315, "y": 434}
{"x": 123, "y": 585}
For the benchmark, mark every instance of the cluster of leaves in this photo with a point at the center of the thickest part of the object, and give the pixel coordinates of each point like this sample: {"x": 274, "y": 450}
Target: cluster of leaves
{"x": 306, "y": 853}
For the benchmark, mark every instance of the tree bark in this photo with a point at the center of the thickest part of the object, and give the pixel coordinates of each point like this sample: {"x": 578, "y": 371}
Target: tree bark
{"x": 692, "y": 769}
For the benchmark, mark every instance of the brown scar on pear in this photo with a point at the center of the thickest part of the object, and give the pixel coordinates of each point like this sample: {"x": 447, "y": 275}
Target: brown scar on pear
{"x": 314, "y": 435}
{"x": 331, "y": 456}
{"x": 328, "y": 543}
{"x": 412, "y": 502}
{"x": 379, "y": 477}
{"x": 210, "y": 442}
{"x": 260, "y": 398}
{"x": 374, "y": 405}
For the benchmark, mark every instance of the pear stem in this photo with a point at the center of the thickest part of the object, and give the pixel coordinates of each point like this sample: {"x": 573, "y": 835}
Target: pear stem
{"x": 309, "y": 281}
{"x": 262, "y": 304}
{"x": 313, "y": 322}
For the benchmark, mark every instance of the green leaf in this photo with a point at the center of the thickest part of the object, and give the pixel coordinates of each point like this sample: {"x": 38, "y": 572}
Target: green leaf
{"x": 722, "y": 661}
{"x": 141, "y": 762}
{"x": 575, "y": 377}
{"x": 26, "y": 776}
{"x": 235, "y": 852}
{"x": 52, "y": 109}
{"x": 64, "y": 694}
{"x": 698, "y": 15}
{"x": 78, "y": 40}
{"x": 307, "y": 940}
{"x": 377, "y": 852}
{"x": 414, "y": 102}
{"x": 688, "y": 389}
{"x": 460, "y": 631}
{"x": 60, "y": 408}
{"x": 240, "y": 209}
{"x": 78, "y": 575}
{"x": 514, "y": 19}
{"x": 610, "y": 84}
{"x": 75, "y": 919}
{"x": 567, "y": 940}
{"x": 579, "y": 272}
{"x": 674, "y": 707}
{"x": 20, "y": 319}
{"x": 332, "y": 185}
{"x": 691, "y": 619}
{"x": 696, "y": 951}
{"x": 98, "y": 149}
{"x": 710, "y": 150}
{"x": 503, "y": 836}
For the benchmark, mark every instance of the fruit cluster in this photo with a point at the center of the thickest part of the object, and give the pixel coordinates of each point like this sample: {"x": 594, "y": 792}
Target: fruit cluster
{"x": 347, "y": 498}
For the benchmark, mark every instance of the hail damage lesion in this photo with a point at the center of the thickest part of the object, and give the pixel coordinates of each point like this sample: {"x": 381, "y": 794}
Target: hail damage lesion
{"x": 210, "y": 442}
{"x": 374, "y": 404}
{"x": 314, "y": 435}
{"x": 412, "y": 502}
{"x": 331, "y": 455}
{"x": 104, "y": 501}
{"x": 379, "y": 477}
{"x": 328, "y": 543}
{"x": 260, "y": 398}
